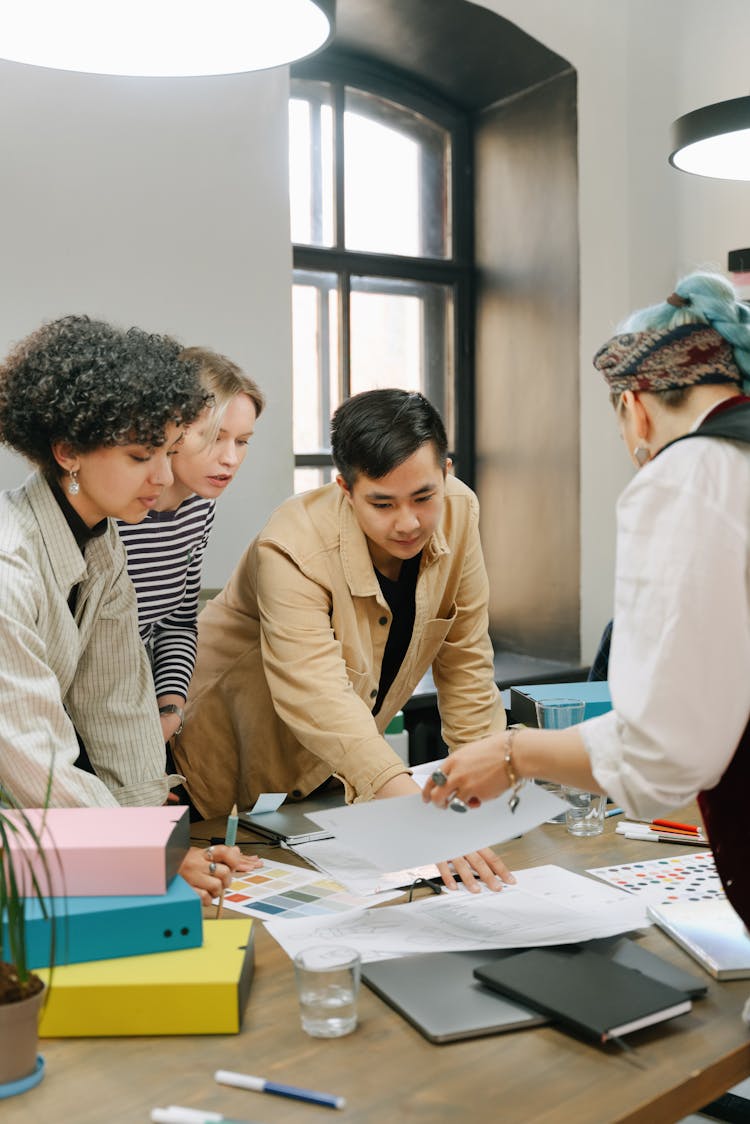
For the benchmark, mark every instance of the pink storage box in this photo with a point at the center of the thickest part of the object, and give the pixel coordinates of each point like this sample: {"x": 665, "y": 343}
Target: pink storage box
{"x": 111, "y": 851}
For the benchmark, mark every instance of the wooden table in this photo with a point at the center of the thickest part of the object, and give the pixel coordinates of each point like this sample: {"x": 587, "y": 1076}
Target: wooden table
{"x": 388, "y": 1072}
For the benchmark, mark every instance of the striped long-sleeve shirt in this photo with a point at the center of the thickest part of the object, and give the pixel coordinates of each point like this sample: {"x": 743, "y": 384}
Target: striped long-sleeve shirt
{"x": 165, "y": 555}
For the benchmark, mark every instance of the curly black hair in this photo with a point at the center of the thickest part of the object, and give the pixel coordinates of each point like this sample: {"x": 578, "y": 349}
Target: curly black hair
{"x": 92, "y": 385}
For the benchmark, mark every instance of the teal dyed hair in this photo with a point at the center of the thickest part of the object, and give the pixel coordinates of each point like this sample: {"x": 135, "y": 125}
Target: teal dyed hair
{"x": 712, "y": 300}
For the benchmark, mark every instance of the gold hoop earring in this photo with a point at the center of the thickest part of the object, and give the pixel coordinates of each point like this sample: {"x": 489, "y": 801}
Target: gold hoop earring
{"x": 642, "y": 454}
{"x": 74, "y": 487}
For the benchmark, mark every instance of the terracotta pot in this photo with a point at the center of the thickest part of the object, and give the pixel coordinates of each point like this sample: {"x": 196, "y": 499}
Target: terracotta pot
{"x": 19, "y": 1038}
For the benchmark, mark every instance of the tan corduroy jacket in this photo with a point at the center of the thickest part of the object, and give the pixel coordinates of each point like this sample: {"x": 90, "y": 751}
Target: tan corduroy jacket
{"x": 289, "y": 656}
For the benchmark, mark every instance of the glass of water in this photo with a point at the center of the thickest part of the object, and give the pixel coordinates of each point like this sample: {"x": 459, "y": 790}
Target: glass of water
{"x": 585, "y": 812}
{"x": 557, "y": 714}
{"x": 327, "y": 988}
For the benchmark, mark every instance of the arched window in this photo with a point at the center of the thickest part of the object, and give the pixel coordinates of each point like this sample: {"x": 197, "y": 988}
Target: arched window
{"x": 380, "y": 184}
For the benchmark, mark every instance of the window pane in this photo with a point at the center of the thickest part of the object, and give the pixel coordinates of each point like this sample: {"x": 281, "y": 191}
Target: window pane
{"x": 396, "y": 177}
{"x": 315, "y": 382}
{"x": 402, "y": 335}
{"x": 305, "y": 479}
{"x": 311, "y": 179}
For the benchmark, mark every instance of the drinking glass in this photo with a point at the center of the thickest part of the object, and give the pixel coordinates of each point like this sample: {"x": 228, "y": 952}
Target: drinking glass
{"x": 557, "y": 714}
{"x": 327, "y": 988}
{"x": 585, "y": 812}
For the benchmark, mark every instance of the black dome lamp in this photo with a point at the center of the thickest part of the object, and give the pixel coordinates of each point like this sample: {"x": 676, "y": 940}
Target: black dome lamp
{"x": 714, "y": 141}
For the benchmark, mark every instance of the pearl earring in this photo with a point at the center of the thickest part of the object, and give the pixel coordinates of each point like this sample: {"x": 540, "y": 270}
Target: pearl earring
{"x": 641, "y": 454}
{"x": 74, "y": 487}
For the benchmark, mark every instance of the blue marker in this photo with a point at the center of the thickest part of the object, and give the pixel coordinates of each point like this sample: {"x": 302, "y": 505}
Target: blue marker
{"x": 260, "y": 1085}
{"x": 613, "y": 812}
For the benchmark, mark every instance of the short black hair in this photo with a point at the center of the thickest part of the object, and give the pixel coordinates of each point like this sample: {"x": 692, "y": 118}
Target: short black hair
{"x": 376, "y": 431}
{"x": 92, "y": 385}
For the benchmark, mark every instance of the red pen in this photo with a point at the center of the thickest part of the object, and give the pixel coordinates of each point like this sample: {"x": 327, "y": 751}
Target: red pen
{"x": 677, "y": 826}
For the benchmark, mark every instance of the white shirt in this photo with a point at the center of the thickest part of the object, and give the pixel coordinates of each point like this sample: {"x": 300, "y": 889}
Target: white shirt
{"x": 679, "y": 669}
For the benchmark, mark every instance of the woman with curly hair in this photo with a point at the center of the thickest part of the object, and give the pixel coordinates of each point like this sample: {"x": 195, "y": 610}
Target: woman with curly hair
{"x": 100, "y": 413}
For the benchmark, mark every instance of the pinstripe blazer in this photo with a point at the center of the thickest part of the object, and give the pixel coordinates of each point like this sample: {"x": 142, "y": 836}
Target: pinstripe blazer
{"x": 61, "y": 672}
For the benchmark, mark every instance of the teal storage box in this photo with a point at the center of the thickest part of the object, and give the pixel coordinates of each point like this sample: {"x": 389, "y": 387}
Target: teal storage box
{"x": 523, "y": 699}
{"x": 105, "y": 928}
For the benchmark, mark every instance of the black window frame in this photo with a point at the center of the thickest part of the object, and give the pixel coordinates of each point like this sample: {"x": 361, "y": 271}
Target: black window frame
{"x": 455, "y": 271}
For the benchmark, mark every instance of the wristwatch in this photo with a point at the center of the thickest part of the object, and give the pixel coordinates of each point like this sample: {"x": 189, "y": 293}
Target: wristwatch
{"x": 173, "y": 708}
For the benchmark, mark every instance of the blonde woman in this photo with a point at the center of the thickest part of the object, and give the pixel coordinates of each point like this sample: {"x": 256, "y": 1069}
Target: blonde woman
{"x": 165, "y": 551}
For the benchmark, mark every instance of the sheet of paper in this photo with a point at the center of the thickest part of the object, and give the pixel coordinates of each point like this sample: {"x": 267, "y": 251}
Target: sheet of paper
{"x": 268, "y": 802}
{"x": 548, "y": 905}
{"x": 673, "y": 878}
{"x": 405, "y": 832}
{"x": 354, "y": 872}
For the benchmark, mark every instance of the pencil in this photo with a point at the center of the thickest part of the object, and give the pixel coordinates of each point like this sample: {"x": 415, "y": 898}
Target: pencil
{"x": 230, "y": 839}
{"x": 231, "y": 835}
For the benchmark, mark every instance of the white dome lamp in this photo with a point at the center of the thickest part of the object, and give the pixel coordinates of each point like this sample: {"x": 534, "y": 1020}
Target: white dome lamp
{"x": 714, "y": 141}
{"x": 163, "y": 38}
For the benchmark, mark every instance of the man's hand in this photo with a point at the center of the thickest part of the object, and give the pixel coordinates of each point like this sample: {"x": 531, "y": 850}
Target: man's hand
{"x": 484, "y": 865}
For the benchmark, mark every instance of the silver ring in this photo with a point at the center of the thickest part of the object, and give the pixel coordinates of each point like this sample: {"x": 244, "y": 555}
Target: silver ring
{"x": 209, "y": 853}
{"x": 457, "y": 805}
{"x": 212, "y": 868}
{"x": 439, "y": 778}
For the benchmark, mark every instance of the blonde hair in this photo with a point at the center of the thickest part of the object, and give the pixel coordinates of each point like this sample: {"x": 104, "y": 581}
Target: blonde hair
{"x": 223, "y": 380}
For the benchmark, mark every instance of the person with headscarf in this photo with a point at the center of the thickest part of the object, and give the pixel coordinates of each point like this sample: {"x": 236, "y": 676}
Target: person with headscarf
{"x": 679, "y": 675}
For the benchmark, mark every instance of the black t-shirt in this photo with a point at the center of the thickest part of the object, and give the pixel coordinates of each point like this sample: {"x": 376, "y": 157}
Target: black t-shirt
{"x": 400, "y": 595}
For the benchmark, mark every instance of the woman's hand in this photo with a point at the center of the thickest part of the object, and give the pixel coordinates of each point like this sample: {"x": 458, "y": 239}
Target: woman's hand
{"x": 474, "y": 773}
{"x": 211, "y": 870}
{"x": 483, "y": 864}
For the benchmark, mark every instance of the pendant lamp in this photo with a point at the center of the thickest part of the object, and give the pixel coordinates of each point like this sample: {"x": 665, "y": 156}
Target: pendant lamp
{"x": 163, "y": 38}
{"x": 714, "y": 141}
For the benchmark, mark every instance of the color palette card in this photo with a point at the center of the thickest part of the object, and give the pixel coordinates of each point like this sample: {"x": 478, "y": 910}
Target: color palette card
{"x": 679, "y": 878}
{"x": 281, "y": 891}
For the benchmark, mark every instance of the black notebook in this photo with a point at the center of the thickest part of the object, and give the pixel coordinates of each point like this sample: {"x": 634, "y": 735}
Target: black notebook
{"x": 584, "y": 991}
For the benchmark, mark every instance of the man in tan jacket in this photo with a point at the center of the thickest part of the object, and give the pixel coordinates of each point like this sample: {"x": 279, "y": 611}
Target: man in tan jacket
{"x": 334, "y": 614}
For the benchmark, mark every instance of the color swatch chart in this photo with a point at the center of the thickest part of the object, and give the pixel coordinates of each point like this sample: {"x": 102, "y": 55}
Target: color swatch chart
{"x": 280, "y": 891}
{"x": 681, "y": 878}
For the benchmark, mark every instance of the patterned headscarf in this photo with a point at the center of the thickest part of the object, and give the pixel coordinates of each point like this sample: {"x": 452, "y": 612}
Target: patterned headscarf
{"x": 667, "y": 358}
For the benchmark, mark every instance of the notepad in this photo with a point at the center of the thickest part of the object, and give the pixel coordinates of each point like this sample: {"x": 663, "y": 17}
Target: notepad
{"x": 584, "y": 991}
{"x": 711, "y": 932}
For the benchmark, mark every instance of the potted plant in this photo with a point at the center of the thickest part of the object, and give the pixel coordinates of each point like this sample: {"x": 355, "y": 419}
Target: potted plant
{"x": 21, "y": 990}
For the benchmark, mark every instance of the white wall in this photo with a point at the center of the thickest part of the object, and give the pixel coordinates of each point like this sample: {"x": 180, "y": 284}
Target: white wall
{"x": 161, "y": 203}
{"x": 640, "y": 65}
